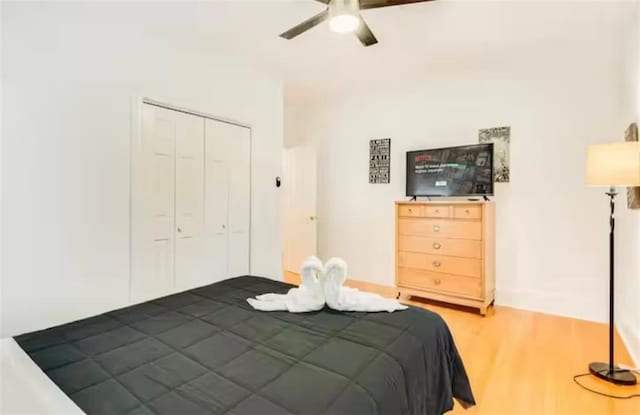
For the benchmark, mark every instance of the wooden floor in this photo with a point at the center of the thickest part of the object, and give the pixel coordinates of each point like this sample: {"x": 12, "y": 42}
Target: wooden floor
{"x": 521, "y": 362}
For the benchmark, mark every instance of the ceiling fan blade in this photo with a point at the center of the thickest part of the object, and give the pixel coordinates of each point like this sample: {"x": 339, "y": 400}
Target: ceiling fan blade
{"x": 365, "y": 34}
{"x": 306, "y": 25}
{"x": 376, "y": 4}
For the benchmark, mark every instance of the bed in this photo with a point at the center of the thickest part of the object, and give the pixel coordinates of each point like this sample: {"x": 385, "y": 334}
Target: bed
{"x": 206, "y": 351}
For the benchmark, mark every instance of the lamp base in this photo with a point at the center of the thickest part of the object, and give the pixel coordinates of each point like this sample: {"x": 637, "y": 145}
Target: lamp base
{"x": 617, "y": 375}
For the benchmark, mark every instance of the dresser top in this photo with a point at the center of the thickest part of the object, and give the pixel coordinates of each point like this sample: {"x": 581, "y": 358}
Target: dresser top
{"x": 441, "y": 202}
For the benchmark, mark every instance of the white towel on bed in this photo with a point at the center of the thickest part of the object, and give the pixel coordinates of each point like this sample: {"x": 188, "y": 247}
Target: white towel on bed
{"x": 343, "y": 298}
{"x": 308, "y": 297}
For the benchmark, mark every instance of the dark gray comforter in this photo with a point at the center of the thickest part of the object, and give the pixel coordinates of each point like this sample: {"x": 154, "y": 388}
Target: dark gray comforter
{"x": 206, "y": 351}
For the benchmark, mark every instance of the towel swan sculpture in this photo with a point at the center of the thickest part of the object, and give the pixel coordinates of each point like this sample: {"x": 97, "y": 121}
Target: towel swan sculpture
{"x": 308, "y": 297}
{"x": 341, "y": 298}
{"x": 324, "y": 284}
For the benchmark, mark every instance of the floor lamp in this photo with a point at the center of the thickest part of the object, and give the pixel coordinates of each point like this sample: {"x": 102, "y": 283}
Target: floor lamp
{"x": 615, "y": 164}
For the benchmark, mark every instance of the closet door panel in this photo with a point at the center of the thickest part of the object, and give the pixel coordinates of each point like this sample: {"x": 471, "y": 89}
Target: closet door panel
{"x": 153, "y": 206}
{"x": 216, "y": 199}
{"x": 217, "y": 247}
{"x": 239, "y": 200}
{"x": 190, "y": 262}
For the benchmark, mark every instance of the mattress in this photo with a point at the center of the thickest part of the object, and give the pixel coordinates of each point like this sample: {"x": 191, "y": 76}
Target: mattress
{"x": 206, "y": 351}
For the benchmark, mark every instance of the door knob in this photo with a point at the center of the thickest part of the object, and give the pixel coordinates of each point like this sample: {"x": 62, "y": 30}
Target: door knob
{"x": 312, "y": 217}
{"x": 179, "y": 229}
{"x": 224, "y": 226}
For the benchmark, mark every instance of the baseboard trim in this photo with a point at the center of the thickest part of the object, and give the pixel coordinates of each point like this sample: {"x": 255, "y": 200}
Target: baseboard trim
{"x": 631, "y": 342}
{"x": 558, "y": 304}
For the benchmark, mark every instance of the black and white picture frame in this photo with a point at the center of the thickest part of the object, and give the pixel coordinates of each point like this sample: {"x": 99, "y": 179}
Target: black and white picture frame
{"x": 380, "y": 160}
{"x": 501, "y": 139}
{"x": 633, "y": 193}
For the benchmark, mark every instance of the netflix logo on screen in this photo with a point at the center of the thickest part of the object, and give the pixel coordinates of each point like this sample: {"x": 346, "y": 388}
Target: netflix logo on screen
{"x": 424, "y": 157}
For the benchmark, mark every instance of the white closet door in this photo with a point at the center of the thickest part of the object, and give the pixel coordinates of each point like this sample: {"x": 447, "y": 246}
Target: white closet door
{"x": 153, "y": 205}
{"x": 190, "y": 202}
{"x": 227, "y": 198}
{"x": 190, "y": 266}
{"x": 239, "y": 200}
{"x": 216, "y": 199}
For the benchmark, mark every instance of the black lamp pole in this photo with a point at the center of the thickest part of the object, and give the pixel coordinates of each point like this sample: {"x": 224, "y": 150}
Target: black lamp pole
{"x": 608, "y": 371}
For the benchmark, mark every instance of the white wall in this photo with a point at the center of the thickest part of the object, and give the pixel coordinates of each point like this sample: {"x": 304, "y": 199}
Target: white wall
{"x": 551, "y": 228}
{"x": 1, "y": 141}
{"x": 68, "y": 74}
{"x": 295, "y": 118}
{"x": 628, "y": 229}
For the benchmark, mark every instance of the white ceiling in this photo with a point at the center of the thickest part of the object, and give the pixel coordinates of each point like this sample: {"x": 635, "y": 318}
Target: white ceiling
{"x": 434, "y": 40}
{"x": 444, "y": 39}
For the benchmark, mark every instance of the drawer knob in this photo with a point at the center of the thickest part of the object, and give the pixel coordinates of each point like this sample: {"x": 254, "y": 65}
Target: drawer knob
{"x": 436, "y": 263}
{"x": 409, "y": 210}
{"x": 466, "y": 211}
{"x": 436, "y": 228}
{"x": 437, "y": 281}
{"x": 437, "y": 210}
{"x": 436, "y": 245}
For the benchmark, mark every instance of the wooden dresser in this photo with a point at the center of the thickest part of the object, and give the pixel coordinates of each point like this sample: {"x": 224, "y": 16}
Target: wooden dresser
{"x": 445, "y": 251}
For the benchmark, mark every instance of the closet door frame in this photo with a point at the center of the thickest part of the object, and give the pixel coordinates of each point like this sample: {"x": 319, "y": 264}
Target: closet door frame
{"x": 137, "y": 107}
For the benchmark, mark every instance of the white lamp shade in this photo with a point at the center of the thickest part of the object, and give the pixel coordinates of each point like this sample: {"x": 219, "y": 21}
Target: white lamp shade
{"x": 614, "y": 164}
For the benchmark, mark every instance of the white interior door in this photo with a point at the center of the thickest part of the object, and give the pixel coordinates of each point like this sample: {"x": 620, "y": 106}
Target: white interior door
{"x": 300, "y": 206}
{"x": 227, "y": 198}
{"x": 153, "y": 205}
{"x": 190, "y": 267}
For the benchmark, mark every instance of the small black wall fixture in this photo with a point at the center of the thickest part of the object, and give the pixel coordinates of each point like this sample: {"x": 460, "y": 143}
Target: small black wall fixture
{"x": 278, "y": 181}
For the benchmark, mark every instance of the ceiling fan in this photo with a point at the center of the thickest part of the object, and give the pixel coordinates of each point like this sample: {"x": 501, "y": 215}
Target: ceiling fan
{"x": 344, "y": 17}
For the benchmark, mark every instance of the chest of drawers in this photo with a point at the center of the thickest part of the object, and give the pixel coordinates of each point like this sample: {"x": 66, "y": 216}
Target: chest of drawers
{"x": 445, "y": 251}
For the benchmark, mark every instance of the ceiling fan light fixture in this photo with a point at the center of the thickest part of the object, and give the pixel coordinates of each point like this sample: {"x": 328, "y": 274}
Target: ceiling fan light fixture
{"x": 344, "y": 15}
{"x": 344, "y": 23}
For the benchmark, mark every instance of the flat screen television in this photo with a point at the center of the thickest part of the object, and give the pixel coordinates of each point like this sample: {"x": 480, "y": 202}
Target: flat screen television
{"x": 451, "y": 171}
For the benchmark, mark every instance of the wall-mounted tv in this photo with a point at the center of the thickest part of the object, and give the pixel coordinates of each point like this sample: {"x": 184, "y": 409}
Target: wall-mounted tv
{"x": 451, "y": 171}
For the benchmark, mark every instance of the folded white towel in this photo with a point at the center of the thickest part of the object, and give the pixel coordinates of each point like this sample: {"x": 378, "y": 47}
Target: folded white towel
{"x": 308, "y": 297}
{"x": 343, "y": 298}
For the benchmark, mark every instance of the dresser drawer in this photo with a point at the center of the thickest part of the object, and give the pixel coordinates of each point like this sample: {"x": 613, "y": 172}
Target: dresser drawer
{"x": 467, "y": 248}
{"x": 467, "y": 212}
{"x": 406, "y": 210}
{"x": 449, "y": 228}
{"x": 435, "y": 211}
{"x": 439, "y": 263}
{"x": 425, "y": 280}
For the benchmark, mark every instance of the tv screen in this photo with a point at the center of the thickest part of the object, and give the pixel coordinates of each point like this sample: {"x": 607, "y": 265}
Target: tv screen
{"x": 451, "y": 171}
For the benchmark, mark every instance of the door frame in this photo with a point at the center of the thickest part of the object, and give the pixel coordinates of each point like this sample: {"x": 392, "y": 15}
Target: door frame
{"x": 137, "y": 105}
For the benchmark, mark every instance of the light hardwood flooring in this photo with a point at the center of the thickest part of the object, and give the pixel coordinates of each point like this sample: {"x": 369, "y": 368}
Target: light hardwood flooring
{"x": 522, "y": 362}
